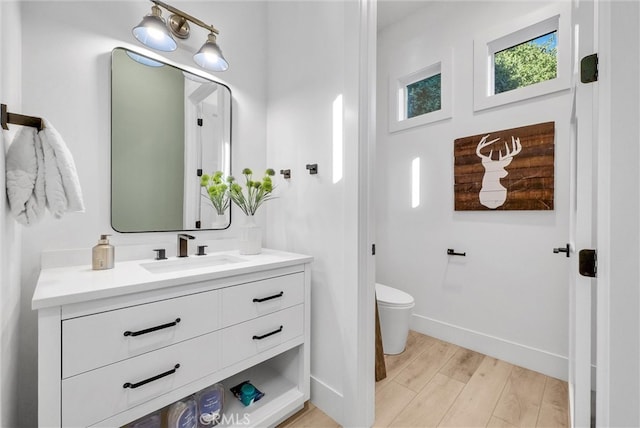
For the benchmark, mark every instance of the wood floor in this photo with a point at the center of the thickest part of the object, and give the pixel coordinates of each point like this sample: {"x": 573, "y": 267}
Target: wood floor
{"x": 438, "y": 384}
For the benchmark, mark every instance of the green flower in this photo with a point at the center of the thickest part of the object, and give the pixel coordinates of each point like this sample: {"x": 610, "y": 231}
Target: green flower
{"x": 217, "y": 177}
{"x": 217, "y": 191}
{"x": 255, "y": 192}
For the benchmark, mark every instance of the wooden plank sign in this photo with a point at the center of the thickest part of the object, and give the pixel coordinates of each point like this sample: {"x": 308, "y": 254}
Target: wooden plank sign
{"x": 511, "y": 169}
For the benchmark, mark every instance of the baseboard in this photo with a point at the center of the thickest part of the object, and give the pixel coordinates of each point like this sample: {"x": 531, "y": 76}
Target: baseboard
{"x": 521, "y": 355}
{"x": 327, "y": 399}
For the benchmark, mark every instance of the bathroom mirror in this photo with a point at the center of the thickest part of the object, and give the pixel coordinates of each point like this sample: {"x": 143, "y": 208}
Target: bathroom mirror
{"x": 168, "y": 127}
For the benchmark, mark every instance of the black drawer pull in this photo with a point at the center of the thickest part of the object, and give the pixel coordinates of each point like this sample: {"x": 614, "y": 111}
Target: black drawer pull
{"x": 264, "y": 299}
{"x": 151, "y": 329}
{"x": 151, "y": 379}
{"x": 268, "y": 334}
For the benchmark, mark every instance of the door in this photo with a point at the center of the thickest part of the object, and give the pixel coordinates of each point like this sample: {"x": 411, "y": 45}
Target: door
{"x": 583, "y": 219}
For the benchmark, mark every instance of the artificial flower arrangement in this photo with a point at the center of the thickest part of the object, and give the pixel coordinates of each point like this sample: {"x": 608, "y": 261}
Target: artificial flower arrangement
{"x": 222, "y": 192}
{"x": 257, "y": 192}
{"x": 217, "y": 190}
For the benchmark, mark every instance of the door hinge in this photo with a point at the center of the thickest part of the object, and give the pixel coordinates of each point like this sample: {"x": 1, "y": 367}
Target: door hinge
{"x": 199, "y": 122}
{"x": 373, "y": 249}
{"x": 589, "y": 68}
{"x": 588, "y": 263}
{"x": 198, "y": 224}
{"x": 199, "y": 172}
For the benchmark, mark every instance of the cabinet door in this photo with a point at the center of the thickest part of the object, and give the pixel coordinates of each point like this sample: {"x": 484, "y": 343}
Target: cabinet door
{"x": 96, "y": 395}
{"x": 96, "y": 340}
{"x": 252, "y": 337}
{"x": 255, "y": 299}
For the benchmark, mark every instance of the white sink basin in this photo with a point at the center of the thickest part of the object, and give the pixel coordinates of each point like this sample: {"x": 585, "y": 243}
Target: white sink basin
{"x": 192, "y": 262}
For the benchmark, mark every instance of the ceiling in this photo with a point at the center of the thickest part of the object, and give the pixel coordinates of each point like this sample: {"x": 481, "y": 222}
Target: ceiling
{"x": 391, "y": 11}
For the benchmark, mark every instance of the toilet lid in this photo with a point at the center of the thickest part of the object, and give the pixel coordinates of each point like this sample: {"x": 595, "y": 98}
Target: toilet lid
{"x": 392, "y": 296}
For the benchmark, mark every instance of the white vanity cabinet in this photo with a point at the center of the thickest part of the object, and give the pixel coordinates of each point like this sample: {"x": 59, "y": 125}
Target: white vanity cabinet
{"x": 116, "y": 345}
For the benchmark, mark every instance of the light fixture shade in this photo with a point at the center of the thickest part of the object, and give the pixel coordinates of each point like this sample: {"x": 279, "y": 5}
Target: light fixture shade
{"x": 210, "y": 56}
{"x": 153, "y": 32}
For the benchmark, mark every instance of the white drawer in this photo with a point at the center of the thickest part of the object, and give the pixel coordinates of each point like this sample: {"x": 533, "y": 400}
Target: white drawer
{"x": 255, "y": 299}
{"x": 96, "y": 340}
{"x": 93, "y": 396}
{"x": 244, "y": 340}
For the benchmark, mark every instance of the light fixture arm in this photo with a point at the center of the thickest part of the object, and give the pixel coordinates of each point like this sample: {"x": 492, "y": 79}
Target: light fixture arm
{"x": 186, "y": 16}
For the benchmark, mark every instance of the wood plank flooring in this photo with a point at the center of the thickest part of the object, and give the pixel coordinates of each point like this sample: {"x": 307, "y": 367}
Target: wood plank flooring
{"x": 438, "y": 384}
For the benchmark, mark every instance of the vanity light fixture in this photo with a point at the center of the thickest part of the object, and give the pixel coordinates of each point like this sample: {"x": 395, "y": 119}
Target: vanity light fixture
{"x": 210, "y": 56}
{"x": 156, "y": 33}
{"x": 153, "y": 32}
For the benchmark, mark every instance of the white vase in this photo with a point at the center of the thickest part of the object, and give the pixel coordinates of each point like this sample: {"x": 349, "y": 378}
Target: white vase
{"x": 219, "y": 221}
{"x": 250, "y": 237}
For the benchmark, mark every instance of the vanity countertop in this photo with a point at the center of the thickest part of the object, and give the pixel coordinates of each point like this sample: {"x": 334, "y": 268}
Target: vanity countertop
{"x": 74, "y": 284}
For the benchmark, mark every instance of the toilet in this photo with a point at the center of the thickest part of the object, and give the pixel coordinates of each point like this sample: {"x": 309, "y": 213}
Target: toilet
{"x": 395, "y": 307}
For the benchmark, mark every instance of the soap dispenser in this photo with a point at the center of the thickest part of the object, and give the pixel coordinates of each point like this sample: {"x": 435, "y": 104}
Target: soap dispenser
{"x": 103, "y": 254}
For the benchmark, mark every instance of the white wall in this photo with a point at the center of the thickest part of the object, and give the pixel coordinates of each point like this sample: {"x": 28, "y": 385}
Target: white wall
{"x": 313, "y": 61}
{"x": 10, "y": 93}
{"x": 66, "y": 78}
{"x": 509, "y": 296}
{"x": 621, "y": 60}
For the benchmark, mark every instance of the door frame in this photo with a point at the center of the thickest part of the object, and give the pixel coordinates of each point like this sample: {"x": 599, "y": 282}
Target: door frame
{"x": 592, "y": 201}
{"x": 582, "y": 217}
{"x": 359, "y": 403}
{"x": 601, "y": 216}
{"x": 603, "y": 203}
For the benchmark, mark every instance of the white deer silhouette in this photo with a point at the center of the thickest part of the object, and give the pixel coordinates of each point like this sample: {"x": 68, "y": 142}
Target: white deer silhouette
{"x": 493, "y": 194}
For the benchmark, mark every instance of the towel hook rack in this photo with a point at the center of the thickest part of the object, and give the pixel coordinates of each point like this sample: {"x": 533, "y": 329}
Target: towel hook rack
{"x": 18, "y": 119}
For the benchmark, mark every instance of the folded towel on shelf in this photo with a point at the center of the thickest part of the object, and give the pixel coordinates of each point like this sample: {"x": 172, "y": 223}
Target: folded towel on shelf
{"x": 25, "y": 177}
{"x": 62, "y": 186}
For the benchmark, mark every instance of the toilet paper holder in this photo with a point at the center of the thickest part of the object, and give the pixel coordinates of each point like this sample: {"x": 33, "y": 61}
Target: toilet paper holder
{"x": 452, "y": 252}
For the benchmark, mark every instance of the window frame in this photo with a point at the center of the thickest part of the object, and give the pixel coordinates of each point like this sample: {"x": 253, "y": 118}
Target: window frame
{"x": 398, "y": 94}
{"x": 554, "y": 18}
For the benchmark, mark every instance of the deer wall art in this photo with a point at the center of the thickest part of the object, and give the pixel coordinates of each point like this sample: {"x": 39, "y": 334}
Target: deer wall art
{"x": 493, "y": 194}
{"x": 512, "y": 169}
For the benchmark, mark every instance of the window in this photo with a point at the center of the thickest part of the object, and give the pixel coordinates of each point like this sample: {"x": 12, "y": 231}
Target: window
{"x": 421, "y": 97}
{"x": 525, "y": 58}
{"x": 527, "y": 63}
{"x": 424, "y": 96}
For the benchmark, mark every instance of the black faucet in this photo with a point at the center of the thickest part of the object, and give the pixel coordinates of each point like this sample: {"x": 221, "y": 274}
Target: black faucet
{"x": 183, "y": 244}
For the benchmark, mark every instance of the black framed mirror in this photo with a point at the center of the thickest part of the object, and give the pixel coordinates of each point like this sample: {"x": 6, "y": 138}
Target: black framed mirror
{"x": 168, "y": 127}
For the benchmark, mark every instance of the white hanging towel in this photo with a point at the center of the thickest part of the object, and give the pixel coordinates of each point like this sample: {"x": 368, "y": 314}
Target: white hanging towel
{"x": 62, "y": 186}
{"x": 25, "y": 177}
